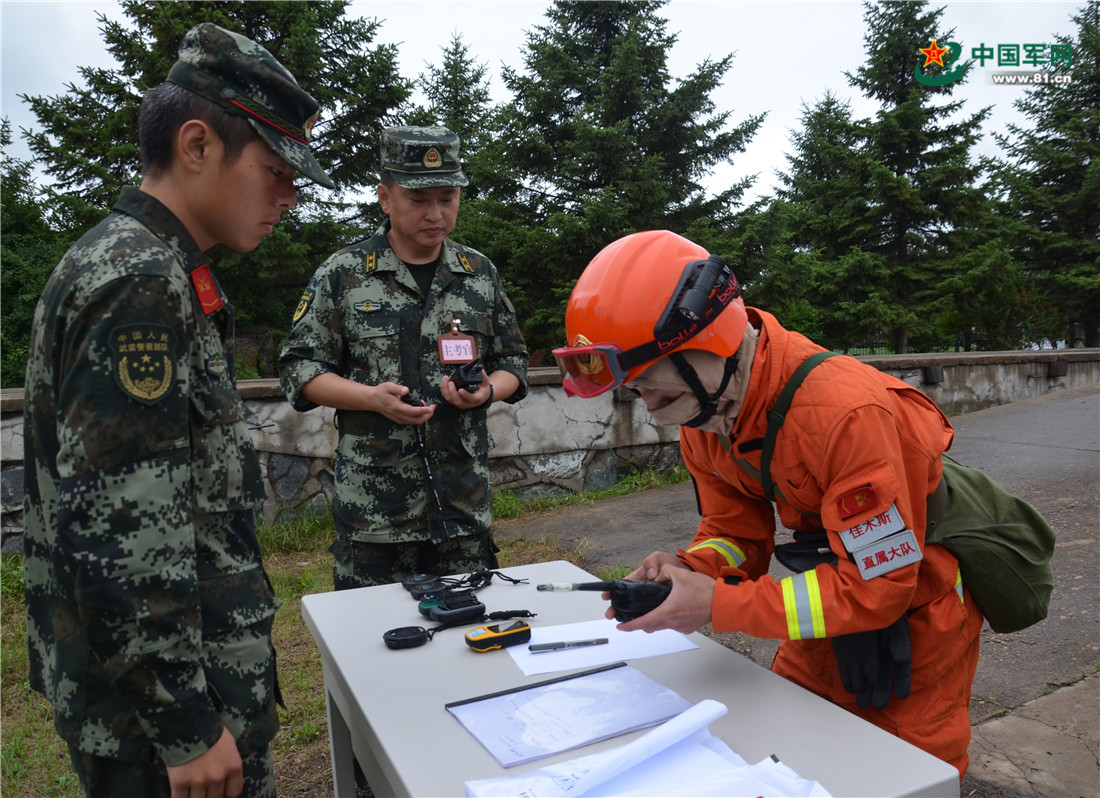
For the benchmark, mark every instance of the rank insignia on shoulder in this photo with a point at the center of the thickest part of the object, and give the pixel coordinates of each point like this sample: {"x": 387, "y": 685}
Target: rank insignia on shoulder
{"x": 143, "y": 356}
{"x": 856, "y": 501}
{"x": 462, "y": 259}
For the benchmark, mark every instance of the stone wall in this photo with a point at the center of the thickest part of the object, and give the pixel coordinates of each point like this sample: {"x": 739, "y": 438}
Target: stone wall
{"x": 549, "y": 443}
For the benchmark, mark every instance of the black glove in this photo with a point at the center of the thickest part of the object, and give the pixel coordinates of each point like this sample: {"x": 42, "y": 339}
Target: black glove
{"x": 874, "y": 664}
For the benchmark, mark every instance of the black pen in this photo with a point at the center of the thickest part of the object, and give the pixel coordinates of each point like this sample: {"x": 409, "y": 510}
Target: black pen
{"x": 540, "y": 647}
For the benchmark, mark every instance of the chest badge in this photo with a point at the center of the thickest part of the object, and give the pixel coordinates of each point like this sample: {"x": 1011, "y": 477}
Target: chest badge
{"x": 456, "y": 347}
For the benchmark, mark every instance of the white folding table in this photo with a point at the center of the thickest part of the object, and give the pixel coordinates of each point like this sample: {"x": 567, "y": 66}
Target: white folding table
{"x": 386, "y": 707}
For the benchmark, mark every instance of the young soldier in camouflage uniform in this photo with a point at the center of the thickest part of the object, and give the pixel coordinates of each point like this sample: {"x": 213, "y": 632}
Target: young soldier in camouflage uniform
{"x": 149, "y": 612}
{"x": 372, "y": 330}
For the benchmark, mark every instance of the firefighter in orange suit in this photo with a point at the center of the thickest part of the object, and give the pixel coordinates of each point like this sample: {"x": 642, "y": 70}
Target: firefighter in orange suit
{"x": 870, "y": 617}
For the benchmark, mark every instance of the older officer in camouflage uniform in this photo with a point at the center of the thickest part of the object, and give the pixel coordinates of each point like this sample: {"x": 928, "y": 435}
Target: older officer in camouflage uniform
{"x": 149, "y": 612}
{"x": 387, "y": 320}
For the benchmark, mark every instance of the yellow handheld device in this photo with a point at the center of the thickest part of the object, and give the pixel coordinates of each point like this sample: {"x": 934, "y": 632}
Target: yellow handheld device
{"x": 488, "y": 638}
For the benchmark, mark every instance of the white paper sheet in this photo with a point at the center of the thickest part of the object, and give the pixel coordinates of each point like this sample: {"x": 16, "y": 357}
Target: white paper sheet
{"x": 678, "y": 758}
{"x": 621, "y": 646}
{"x": 539, "y": 721}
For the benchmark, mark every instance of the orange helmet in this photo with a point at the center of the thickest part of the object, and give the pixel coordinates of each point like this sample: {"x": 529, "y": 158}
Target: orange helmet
{"x": 642, "y": 297}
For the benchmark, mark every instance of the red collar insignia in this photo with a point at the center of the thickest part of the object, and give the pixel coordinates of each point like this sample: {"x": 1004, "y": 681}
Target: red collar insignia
{"x": 207, "y": 289}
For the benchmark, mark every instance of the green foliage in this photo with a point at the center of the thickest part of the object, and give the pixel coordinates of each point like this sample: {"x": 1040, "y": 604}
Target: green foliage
{"x": 459, "y": 99}
{"x": 29, "y": 249}
{"x": 301, "y": 535}
{"x": 985, "y": 295}
{"x": 829, "y": 171}
{"x": 1051, "y": 189}
{"x": 11, "y": 578}
{"x": 88, "y": 141}
{"x": 877, "y": 218}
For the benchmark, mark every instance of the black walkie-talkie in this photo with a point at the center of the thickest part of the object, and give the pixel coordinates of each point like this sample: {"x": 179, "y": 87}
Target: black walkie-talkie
{"x": 630, "y": 599}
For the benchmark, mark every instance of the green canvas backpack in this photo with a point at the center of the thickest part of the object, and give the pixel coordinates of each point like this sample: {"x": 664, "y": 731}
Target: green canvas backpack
{"x": 1003, "y": 546}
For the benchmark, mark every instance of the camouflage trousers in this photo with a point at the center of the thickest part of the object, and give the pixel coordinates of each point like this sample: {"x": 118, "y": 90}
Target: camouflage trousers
{"x": 101, "y": 776}
{"x": 358, "y": 564}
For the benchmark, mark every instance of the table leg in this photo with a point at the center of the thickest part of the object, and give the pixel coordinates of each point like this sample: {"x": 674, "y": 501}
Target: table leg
{"x": 340, "y": 750}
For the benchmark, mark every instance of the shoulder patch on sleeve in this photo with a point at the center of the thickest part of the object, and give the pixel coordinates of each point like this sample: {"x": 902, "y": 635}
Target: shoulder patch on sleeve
{"x": 856, "y": 502}
{"x": 143, "y": 357}
{"x": 303, "y": 304}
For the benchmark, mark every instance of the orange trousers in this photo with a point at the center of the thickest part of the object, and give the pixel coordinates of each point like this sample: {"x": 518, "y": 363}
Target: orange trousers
{"x": 936, "y": 716}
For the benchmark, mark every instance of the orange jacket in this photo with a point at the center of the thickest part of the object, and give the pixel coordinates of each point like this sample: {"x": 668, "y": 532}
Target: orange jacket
{"x": 852, "y": 434}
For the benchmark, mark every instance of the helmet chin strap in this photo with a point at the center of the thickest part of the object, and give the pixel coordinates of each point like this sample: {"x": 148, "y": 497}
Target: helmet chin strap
{"x": 708, "y": 405}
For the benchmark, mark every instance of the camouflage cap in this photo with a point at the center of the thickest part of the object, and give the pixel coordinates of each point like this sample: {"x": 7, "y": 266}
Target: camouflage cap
{"x": 244, "y": 78}
{"x": 422, "y": 157}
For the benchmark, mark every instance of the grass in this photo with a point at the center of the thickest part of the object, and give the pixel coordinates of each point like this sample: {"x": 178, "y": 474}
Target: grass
{"x": 34, "y": 762}
{"x": 507, "y": 504}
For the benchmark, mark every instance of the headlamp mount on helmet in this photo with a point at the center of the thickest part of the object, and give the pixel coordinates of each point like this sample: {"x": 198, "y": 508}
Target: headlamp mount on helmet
{"x": 697, "y": 283}
{"x": 706, "y": 288}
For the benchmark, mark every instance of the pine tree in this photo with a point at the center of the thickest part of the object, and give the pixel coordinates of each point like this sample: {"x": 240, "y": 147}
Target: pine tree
{"x": 598, "y": 141}
{"x": 459, "y": 99}
{"x": 1052, "y": 184}
{"x": 827, "y": 179}
{"x": 924, "y": 189}
{"x": 816, "y": 280}
{"x": 88, "y": 141}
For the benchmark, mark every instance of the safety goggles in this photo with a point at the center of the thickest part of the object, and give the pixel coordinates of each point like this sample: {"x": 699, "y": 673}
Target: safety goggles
{"x": 590, "y": 370}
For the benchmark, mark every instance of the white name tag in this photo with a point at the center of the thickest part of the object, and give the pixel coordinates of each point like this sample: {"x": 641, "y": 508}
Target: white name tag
{"x": 888, "y": 554}
{"x": 862, "y": 535}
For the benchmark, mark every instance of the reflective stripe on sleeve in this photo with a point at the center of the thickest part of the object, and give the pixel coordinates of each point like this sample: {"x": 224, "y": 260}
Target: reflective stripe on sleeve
{"x": 733, "y": 555}
{"x": 802, "y": 602}
{"x": 959, "y": 585}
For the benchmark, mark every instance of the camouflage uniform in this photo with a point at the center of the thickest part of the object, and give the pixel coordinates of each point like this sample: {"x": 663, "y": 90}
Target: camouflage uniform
{"x": 364, "y": 317}
{"x": 149, "y": 612}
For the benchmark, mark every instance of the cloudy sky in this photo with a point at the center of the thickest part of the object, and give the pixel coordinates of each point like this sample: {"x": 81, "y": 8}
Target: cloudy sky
{"x": 786, "y": 53}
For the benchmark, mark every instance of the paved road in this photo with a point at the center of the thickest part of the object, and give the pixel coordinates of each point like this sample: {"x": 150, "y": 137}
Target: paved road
{"x": 1046, "y": 450}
